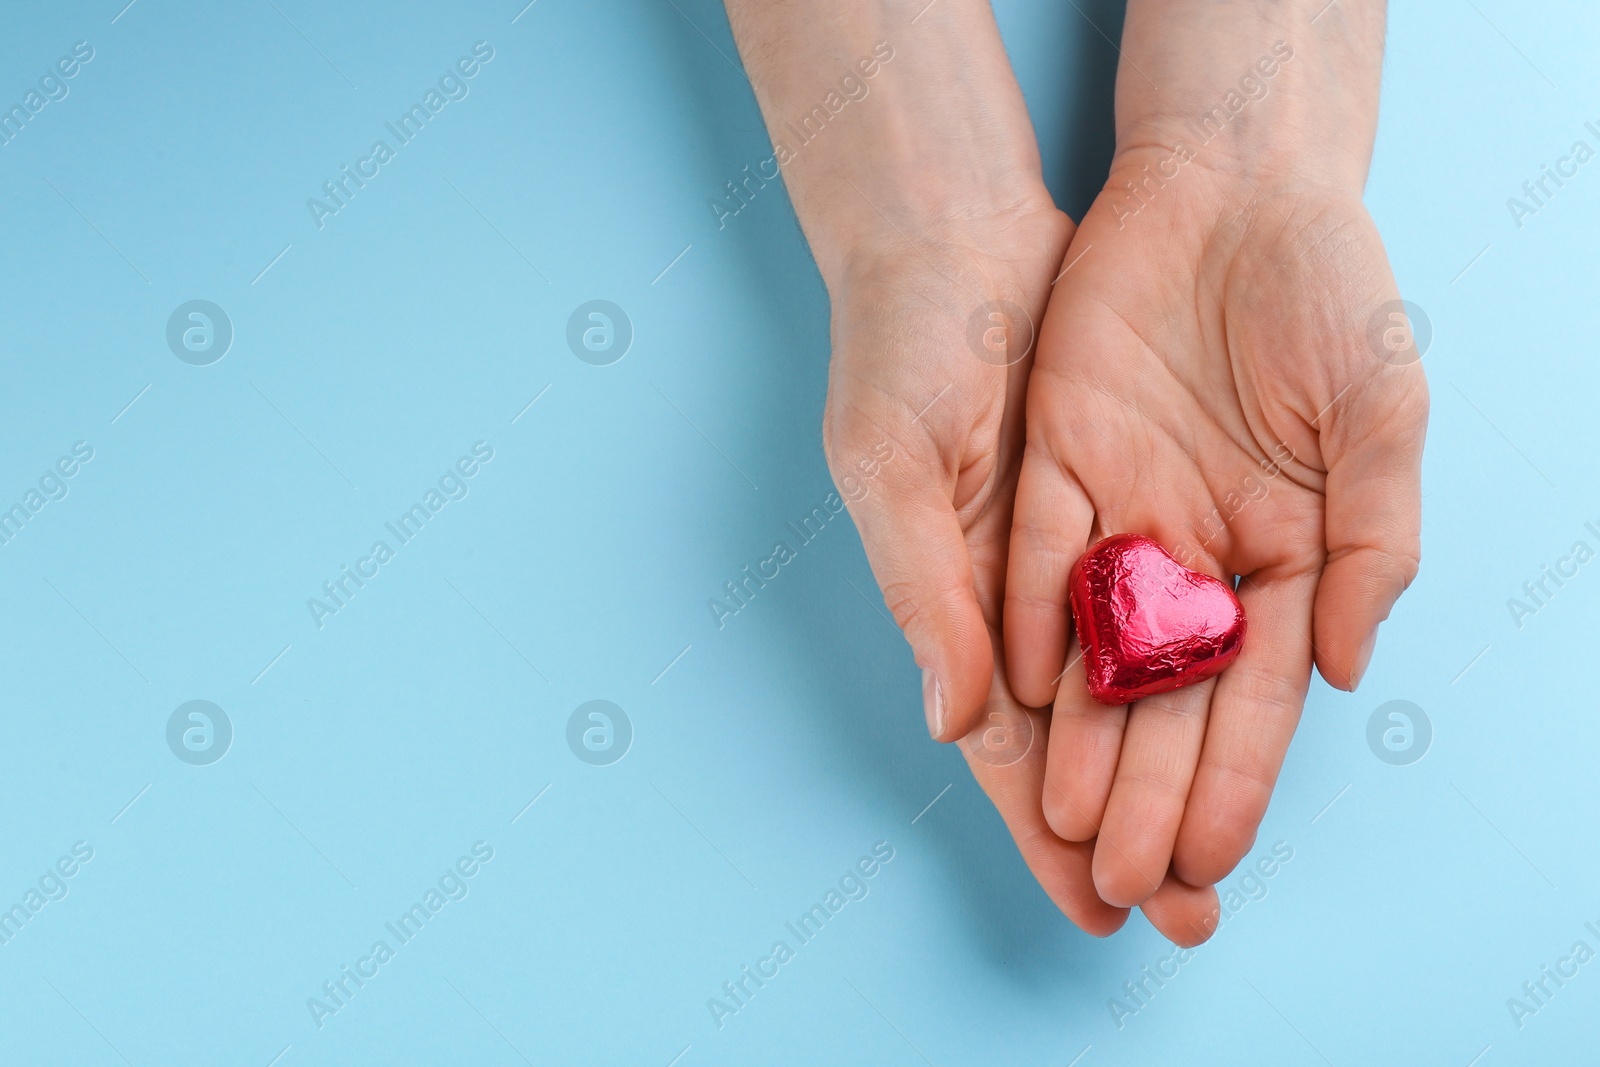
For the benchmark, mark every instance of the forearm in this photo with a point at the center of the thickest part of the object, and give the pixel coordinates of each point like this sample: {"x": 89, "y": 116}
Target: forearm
{"x": 1271, "y": 90}
{"x": 883, "y": 124}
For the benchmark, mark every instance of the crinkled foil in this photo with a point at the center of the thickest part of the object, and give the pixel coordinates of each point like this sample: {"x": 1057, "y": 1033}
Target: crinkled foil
{"x": 1147, "y": 623}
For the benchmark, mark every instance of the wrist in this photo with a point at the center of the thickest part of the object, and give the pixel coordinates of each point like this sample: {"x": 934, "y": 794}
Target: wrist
{"x": 889, "y": 123}
{"x": 900, "y": 215}
{"x": 1276, "y": 95}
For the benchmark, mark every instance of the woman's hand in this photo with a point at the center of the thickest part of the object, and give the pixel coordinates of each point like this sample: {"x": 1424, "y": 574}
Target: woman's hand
{"x": 928, "y": 217}
{"x": 928, "y": 368}
{"x": 1225, "y": 368}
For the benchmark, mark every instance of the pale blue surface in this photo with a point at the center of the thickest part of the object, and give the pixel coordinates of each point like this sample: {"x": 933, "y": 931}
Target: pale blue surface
{"x": 773, "y": 753}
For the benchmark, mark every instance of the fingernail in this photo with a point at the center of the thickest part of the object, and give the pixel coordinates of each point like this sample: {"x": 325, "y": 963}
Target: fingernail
{"x": 1363, "y": 657}
{"x": 933, "y": 703}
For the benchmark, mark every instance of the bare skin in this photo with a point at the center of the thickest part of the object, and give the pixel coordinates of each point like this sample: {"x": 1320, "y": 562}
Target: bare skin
{"x": 1178, "y": 350}
{"x": 921, "y": 203}
{"x": 1206, "y": 375}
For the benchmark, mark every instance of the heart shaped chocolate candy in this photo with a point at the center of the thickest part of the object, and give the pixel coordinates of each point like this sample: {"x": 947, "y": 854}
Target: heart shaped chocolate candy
{"x": 1147, "y": 623}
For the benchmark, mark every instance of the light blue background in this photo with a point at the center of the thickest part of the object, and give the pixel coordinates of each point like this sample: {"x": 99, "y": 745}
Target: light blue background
{"x": 370, "y": 754}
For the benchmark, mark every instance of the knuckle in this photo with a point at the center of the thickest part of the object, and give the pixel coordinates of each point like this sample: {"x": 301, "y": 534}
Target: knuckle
{"x": 1044, "y": 607}
{"x": 1416, "y": 402}
{"x": 1163, "y": 789}
{"x": 1398, "y": 563}
{"x": 841, "y": 436}
{"x": 1408, "y": 564}
{"x": 856, "y": 444}
{"x": 906, "y": 604}
{"x": 918, "y": 602}
{"x": 1238, "y": 796}
{"x": 1280, "y": 694}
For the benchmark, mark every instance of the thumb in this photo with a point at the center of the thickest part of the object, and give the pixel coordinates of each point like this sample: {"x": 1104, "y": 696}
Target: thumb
{"x": 920, "y": 559}
{"x": 1373, "y": 524}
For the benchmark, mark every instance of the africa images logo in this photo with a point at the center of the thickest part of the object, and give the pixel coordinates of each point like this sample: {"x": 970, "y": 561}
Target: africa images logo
{"x": 852, "y": 886}
{"x": 451, "y": 886}
{"x": 340, "y": 591}
{"x": 452, "y": 86}
{"x": 199, "y": 733}
{"x": 53, "y": 88}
